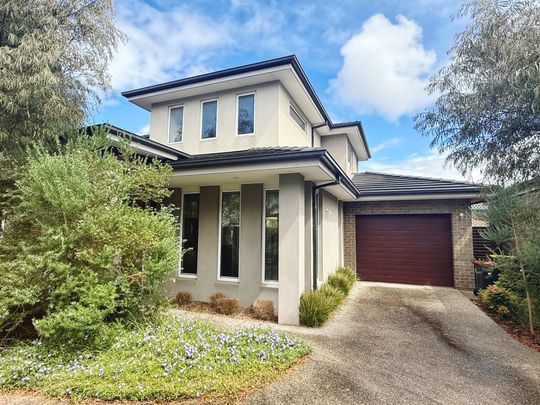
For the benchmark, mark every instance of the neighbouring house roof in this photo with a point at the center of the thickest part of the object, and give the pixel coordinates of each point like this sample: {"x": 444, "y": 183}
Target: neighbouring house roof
{"x": 142, "y": 144}
{"x": 137, "y": 95}
{"x": 371, "y": 184}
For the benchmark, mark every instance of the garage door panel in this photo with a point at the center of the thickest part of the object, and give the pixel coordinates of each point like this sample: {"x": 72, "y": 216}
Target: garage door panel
{"x": 413, "y": 249}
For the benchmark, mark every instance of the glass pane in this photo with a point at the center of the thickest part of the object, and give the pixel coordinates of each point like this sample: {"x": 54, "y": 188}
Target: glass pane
{"x": 230, "y": 234}
{"x": 246, "y": 114}
{"x": 299, "y": 120}
{"x": 209, "y": 119}
{"x": 271, "y": 236}
{"x": 176, "y": 124}
{"x": 190, "y": 233}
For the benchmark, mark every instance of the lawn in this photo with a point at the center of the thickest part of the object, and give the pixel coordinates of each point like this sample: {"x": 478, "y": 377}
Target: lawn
{"x": 169, "y": 359}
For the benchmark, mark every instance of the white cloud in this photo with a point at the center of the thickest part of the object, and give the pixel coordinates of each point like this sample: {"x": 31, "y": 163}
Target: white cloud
{"x": 431, "y": 164}
{"x": 163, "y": 44}
{"x": 144, "y": 130}
{"x": 384, "y": 69}
{"x": 385, "y": 145}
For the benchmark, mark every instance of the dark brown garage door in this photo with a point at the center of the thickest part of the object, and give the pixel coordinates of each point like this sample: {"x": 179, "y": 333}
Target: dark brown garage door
{"x": 411, "y": 249}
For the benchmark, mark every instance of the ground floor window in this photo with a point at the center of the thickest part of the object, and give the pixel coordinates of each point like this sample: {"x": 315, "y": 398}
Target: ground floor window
{"x": 190, "y": 233}
{"x": 271, "y": 235}
{"x": 230, "y": 234}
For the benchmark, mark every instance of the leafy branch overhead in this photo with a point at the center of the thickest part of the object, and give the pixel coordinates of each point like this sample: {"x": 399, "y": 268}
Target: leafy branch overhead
{"x": 54, "y": 57}
{"x": 488, "y": 111}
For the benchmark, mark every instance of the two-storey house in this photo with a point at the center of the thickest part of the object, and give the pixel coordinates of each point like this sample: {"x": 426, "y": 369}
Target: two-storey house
{"x": 270, "y": 199}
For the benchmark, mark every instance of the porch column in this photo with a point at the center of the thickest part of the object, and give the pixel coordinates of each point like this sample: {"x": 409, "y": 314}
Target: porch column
{"x": 291, "y": 246}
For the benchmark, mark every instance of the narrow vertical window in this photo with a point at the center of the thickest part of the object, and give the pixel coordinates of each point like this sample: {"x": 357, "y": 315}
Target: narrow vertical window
{"x": 271, "y": 235}
{"x": 246, "y": 114}
{"x": 351, "y": 159}
{"x": 297, "y": 118}
{"x": 176, "y": 124}
{"x": 209, "y": 119}
{"x": 190, "y": 233}
{"x": 230, "y": 234}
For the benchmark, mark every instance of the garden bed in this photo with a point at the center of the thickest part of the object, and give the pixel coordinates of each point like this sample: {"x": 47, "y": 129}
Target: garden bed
{"x": 514, "y": 329}
{"x": 208, "y": 308}
{"x": 168, "y": 360}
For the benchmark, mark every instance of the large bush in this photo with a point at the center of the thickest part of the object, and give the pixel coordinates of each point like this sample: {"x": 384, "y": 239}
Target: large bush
{"x": 83, "y": 248}
{"x": 513, "y": 214}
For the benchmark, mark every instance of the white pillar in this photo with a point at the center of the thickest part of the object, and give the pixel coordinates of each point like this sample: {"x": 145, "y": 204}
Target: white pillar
{"x": 291, "y": 247}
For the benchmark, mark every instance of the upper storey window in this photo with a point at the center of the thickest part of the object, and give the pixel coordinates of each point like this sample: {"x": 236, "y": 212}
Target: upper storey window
{"x": 176, "y": 123}
{"x": 298, "y": 118}
{"x": 246, "y": 114}
{"x": 351, "y": 159}
{"x": 209, "y": 119}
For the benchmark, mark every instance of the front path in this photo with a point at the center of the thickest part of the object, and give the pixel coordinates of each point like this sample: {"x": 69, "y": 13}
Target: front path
{"x": 411, "y": 345}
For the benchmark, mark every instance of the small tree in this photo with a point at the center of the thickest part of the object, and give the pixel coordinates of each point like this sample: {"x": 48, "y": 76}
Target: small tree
{"x": 83, "y": 248}
{"x": 513, "y": 214}
{"x": 488, "y": 113}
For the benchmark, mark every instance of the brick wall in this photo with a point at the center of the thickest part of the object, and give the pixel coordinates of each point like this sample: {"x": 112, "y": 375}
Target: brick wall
{"x": 461, "y": 230}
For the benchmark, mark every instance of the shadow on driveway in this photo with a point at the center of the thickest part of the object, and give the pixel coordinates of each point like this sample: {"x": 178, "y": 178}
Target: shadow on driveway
{"x": 409, "y": 344}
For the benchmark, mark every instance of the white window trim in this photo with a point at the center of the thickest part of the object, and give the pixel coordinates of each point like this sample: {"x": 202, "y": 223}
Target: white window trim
{"x": 180, "y": 273}
{"x": 264, "y": 282}
{"x": 203, "y": 102}
{"x": 296, "y": 110}
{"x": 238, "y": 110}
{"x": 169, "y": 124}
{"x": 219, "y": 277}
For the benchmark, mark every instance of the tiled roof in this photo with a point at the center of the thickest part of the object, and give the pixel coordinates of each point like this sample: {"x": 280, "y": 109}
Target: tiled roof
{"x": 378, "y": 184}
{"x": 143, "y": 139}
{"x": 254, "y": 152}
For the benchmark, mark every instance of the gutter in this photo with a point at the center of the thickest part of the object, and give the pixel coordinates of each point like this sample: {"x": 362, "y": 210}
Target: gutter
{"x": 313, "y": 128}
{"x": 315, "y": 227}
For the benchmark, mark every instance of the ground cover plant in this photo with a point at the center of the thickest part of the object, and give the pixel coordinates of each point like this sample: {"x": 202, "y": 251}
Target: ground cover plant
{"x": 164, "y": 360}
{"x": 317, "y": 306}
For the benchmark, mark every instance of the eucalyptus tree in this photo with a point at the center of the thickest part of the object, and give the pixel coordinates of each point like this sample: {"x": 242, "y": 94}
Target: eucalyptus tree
{"x": 487, "y": 114}
{"x": 53, "y": 67}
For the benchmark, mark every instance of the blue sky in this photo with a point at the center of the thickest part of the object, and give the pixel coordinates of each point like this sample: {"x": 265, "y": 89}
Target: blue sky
{"x": 367, "y": 60}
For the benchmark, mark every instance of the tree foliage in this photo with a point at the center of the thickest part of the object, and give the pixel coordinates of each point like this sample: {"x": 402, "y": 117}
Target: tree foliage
{"x": 488, "y": 111}
{"x": 53, "y": 64}
{"x": 513, "y": 214}
{"x": 83, "y": 248}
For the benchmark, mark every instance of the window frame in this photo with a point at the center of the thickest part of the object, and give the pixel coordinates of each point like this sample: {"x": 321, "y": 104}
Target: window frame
{"x": 271, "y": 283}
{"x": 172, "y": 107}
{"x": 351, "y": 158}
{"x": 238, "y": 110}
{"x": 291, "y": 106}
{"x": 219, "y": 276}
{"x": 203, "y": 102}
{"x": 180, "y": 273}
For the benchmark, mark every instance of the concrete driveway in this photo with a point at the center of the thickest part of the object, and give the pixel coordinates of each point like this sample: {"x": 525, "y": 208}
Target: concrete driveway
{"x": 410, "y": 345}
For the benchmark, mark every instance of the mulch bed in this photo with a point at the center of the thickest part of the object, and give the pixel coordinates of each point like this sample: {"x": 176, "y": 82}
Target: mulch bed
{"x": 206, "y": 307}
{"x": 515, "y": 330}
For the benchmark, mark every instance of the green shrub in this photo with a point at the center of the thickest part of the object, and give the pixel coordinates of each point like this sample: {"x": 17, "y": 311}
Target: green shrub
{"x": 500, "y": 299}
{"x": 341, "y": 282}
{"x": 348, "y": 273}
{"x": 335, "y": 295}
{"x": 82, "y": 248}
{"x": 317, "y": 306}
